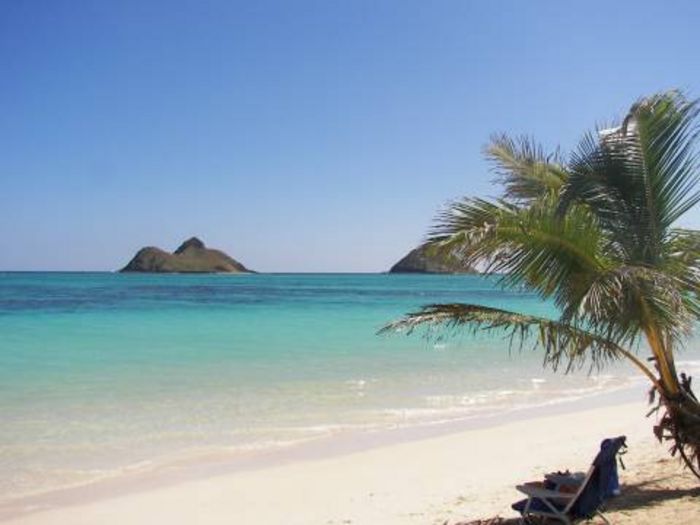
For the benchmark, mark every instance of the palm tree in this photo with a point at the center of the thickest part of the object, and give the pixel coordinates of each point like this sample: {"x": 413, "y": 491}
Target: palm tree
{"x": 596, "y": 235}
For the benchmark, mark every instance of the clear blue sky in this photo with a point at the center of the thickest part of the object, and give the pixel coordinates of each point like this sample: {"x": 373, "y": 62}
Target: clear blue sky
{"x": 297, "y": 136}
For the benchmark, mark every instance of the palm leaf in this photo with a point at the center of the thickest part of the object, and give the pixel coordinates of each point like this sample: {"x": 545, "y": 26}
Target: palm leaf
{"x": 682, "y": 255}
{"x": 620, "y": 301}
{"x": 640, "y": 178}
{"x": 468, "y": 229}
{"x": 529, "y": 245}
{"x": 562, "y": 343}
{"x": 524, "y": 169}
{"x": 665, "y": 126}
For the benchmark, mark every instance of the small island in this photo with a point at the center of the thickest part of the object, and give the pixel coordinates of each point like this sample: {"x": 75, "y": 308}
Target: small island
{"x": 191, "y": 257}
{"x": 426, "y": 260}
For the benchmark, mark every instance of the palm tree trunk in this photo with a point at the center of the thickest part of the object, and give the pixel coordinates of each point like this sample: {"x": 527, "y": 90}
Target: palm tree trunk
{"x": 681, "y": 425}
{"x": 680, "y": 422}
{"x": 664, "y": 362}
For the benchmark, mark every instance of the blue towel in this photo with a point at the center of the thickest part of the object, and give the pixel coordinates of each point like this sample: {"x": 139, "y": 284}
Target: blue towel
{"x": 604, "y": 483}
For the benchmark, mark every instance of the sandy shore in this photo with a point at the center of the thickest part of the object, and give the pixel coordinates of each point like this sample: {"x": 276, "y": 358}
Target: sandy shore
{"x": 451, "y": 478}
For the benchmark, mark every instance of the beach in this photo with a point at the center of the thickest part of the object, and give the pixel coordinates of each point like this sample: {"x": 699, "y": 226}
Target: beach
{"x": 444, "y": 479}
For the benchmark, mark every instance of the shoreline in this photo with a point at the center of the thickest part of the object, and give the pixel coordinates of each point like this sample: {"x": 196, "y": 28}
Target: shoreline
{"x": 218, "y": 468}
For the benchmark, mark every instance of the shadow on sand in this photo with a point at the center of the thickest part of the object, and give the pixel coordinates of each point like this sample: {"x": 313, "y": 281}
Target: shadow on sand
{"x": 636, "y": 496}
{"x": 646, "y": 494}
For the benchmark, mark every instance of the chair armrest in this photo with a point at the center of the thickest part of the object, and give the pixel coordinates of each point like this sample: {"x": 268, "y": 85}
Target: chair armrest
{"x": 538, "y": 492}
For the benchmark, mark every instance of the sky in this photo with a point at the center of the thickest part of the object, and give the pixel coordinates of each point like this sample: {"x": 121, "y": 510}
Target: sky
{"x": 296, "y": 136}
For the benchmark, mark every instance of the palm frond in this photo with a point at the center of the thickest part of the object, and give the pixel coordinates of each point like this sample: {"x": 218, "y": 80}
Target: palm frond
{"x": 525, "y": 170}
{"x": 682, "y": 262}
{"x": 620, "y": 302}
{"x": 551, "y": 256}
{"x": 602, "y": 178}
{"x": 562, "y": 343}
{"x": 468, "y": 229}
{"x": 683, "y": 249}
{"x": 530, "y": 245}
{"x": 639, "y": 178}
{"x": 666, "y": 127}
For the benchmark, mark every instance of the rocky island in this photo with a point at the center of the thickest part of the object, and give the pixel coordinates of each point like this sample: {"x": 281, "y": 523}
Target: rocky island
{"x": 191, "y": 257}
{"x": 425, "y": 260}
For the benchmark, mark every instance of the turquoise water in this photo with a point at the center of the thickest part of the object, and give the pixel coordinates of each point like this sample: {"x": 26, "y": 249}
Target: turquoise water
{"x": 102, "y": 373}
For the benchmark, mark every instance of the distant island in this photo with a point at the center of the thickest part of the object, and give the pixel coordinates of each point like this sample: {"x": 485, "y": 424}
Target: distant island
{"x": 425, "y": 260}
{"x": 191, "y": 257}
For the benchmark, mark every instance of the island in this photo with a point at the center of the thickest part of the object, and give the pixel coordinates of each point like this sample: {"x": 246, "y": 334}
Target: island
{"x": 191, "y": 257}
{"x": 428, "y": 260}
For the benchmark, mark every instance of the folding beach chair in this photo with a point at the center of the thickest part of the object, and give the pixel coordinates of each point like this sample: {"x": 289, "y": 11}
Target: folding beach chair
{"x": 586, "y": 496}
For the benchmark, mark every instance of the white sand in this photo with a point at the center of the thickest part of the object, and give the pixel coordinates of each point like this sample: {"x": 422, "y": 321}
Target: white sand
{"x": 468, "y": 474}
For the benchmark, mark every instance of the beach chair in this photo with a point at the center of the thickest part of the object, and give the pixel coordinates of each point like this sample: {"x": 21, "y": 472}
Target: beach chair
{"x": 585, "y": 496}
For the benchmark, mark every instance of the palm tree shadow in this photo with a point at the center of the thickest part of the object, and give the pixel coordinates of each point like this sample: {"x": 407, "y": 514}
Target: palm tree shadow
{"x": 643, "y": 495}
{"x": 647, "y": 494}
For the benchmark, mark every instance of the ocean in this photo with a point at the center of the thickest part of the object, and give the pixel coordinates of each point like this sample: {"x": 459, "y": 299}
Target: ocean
{"x": 104, "y": 374}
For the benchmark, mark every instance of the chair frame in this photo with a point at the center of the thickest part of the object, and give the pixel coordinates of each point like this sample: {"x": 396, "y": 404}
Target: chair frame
{"x": 548, "y": 497}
